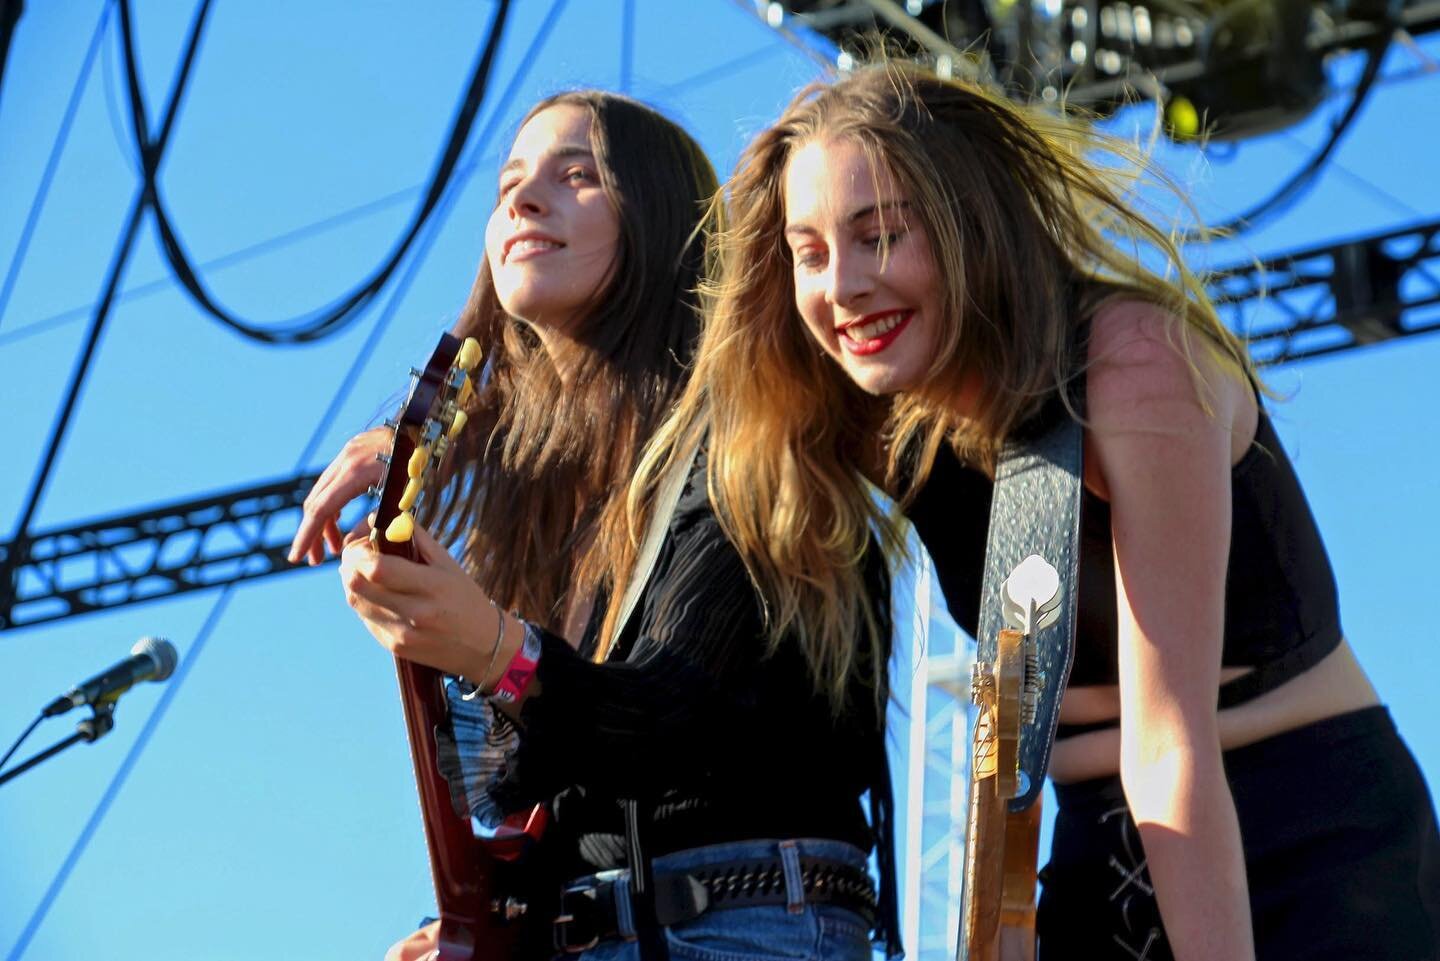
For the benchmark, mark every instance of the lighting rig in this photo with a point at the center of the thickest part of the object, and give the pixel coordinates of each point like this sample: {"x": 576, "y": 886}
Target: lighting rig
{"x": 1227, "y": 68}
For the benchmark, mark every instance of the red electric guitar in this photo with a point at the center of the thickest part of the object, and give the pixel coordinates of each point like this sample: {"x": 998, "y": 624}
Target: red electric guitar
{"x": 476, "y": 880}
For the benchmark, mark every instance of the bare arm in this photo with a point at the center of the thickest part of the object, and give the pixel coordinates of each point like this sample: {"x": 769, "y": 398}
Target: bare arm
{"x": 1165, "y": 462}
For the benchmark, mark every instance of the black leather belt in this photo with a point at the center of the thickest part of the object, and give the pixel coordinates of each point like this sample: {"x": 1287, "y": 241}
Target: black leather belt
{"x": 590, "y": 909}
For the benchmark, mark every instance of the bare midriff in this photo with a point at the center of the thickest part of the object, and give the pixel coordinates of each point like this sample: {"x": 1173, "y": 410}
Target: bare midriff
{"x": 1337, "y": 685}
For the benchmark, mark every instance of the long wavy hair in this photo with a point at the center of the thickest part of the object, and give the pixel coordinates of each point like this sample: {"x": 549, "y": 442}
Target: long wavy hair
{"x": 1028, "y": 232}
{"x": 534, "y": 491}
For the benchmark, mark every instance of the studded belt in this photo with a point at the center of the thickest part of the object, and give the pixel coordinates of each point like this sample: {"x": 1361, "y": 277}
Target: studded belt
{"x": 591, "y": 909}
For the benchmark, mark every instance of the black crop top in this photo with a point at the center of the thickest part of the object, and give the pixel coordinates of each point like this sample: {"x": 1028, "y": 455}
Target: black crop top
{"x": 1281, "y": 611}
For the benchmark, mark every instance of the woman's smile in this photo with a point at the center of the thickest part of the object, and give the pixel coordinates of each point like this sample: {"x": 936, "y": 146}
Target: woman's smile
{"x": 874, "y": 332}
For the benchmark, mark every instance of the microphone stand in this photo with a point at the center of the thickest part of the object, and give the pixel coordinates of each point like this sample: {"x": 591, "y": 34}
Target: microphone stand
{"x": 89, "y": 730}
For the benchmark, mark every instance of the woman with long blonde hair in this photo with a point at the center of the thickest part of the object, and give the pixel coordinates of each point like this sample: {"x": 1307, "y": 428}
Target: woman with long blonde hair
{"x": 916, "y": 271}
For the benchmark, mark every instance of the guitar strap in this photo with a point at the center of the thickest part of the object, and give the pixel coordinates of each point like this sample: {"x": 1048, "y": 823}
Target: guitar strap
{"x": 666, "y": 498}
{"x": 651, "y": 939}
{"x": 1036, "y": 510}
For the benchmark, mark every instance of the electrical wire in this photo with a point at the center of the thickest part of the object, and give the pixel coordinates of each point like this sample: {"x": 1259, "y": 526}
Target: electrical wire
{"x": 627, "y": 46}
{"x": 42, "y": 192}
{"x": 238, "y": 256}
{"x": 347, "y": 308}
{"x": 16, "y": 746}
{"x": 123, "y": 249}
{"x": 329, "y": 222}
{"x": 507, "y": 96}
{"x": 113, "y": 110}
{"x": 1365, "y": 185}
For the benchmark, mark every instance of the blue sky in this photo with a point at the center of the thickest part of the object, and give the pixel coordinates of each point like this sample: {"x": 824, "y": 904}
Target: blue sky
{"x": 271, "y": 811}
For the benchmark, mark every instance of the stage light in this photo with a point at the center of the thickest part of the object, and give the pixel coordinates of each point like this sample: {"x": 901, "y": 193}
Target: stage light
{"x": 1259, "y": 73}
{"x": 1182, "y": 120}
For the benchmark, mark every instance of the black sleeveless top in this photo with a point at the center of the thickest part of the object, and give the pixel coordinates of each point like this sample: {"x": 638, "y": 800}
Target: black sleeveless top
{"x": 1281, "y": 610}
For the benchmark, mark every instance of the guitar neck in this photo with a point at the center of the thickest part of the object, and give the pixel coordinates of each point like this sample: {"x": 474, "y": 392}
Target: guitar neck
{"x": 461, "y": 867}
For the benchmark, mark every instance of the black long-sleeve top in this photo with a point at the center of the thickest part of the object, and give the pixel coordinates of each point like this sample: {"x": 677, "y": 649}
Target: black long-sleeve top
{"x": 719, "y": 738}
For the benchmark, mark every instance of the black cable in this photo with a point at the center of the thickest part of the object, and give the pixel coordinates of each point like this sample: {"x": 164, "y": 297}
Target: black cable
{"x": 16, "y": 746}
{"x": 52, "y": 163}
{"x": 402, "y": 286}
{"x": 113, "y": 109}
{"x": 1294, "y": 188}
{"x": 15, "y": 559}
{"x": 332, "y": 221}
{"x": 238, "y": 256}
{"x": 10, "y": 11}
{"x": 343, "y": 311}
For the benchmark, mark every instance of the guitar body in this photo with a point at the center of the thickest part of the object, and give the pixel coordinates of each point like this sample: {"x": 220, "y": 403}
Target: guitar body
{"x": 480, "y": 917}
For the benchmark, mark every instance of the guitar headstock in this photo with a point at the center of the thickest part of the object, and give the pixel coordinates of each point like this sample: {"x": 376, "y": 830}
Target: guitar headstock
{"x": 433, "y": 415}
{"x": 1030, "y": 602}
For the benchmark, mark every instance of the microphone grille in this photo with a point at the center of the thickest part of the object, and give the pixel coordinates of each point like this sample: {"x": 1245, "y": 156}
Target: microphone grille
{"x": 162, "y": 652}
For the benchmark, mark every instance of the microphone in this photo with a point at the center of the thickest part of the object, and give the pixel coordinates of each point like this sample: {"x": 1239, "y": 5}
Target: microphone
{"x": 152, "y": 659}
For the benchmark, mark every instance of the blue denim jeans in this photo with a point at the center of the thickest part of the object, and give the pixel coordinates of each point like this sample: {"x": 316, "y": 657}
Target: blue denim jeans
{"x": 808, "y": 932}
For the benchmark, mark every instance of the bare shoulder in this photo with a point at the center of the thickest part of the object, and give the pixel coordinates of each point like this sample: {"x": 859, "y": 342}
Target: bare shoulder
{"x": 1155, "y": 388}
{"x": 1148, "y": 367}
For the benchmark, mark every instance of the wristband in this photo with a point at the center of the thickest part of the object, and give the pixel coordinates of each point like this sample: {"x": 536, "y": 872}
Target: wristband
{"x": 520, "y": 671}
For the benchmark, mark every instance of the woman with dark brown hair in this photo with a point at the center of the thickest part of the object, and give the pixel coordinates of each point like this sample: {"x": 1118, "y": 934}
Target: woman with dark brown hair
{"x": 584, "y": 309}
{"x": 706, "y": 789}
{"x": 916, "y": 271}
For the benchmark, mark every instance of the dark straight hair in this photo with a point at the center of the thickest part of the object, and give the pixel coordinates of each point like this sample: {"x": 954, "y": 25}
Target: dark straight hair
{"x": 534, "y": 489}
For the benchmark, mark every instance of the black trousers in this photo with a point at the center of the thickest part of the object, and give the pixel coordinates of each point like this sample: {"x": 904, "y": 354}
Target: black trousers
{"x": 1342, "y": 854}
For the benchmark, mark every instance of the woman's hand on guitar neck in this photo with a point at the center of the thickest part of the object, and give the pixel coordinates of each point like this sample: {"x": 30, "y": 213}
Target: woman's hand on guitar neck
{"x": 353, "y": 471}
{"x": 420, "y": 946}
{"x": 432, "y": 612}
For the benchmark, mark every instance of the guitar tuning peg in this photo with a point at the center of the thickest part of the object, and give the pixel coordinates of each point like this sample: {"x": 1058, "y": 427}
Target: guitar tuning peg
{"x": 469, "y": 355}
{"x": 392, "y": 423}
{"x": 466, "y": 393}
{"x": 418, "y": 460}
{"x": 411, "y": 494}
{"x": 457, "y": 425}
{"x": 401, "y": 529}
{"x": 383, "y": 458}
{"x": 373, "y": 490}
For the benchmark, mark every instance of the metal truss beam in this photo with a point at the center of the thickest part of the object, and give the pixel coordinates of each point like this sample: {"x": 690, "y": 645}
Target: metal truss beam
{"x": 235, "y": 535}
{"x": 1337, "y": 297}
{"x": 1304, "y": 304}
